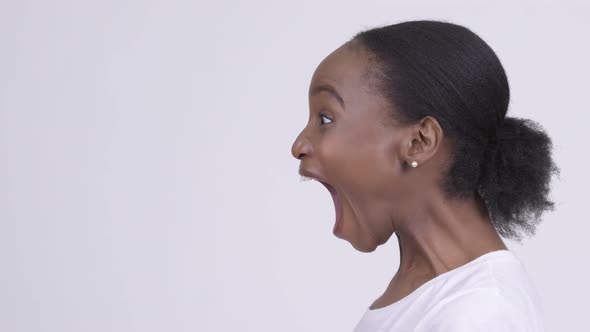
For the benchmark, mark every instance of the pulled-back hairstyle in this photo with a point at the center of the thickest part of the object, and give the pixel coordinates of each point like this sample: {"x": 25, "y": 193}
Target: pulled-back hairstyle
{"x": 444, "y": 70}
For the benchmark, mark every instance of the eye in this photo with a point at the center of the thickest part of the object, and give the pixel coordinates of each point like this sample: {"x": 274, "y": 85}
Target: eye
{"x": 323, "y": 116}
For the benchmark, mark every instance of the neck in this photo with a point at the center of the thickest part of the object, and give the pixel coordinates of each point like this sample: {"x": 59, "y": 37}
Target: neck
{"x": 443, "y": 235}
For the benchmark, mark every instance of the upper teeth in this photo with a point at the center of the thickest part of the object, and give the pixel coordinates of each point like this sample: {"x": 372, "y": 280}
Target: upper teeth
{"x": 305, "y": 178}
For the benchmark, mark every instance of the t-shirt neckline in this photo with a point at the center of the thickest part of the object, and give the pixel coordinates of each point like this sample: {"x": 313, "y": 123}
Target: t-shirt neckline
{"x": 444, "y": 275}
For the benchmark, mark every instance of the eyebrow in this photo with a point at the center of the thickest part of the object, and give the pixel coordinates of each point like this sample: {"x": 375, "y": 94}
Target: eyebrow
{"x": 329, "y": 89}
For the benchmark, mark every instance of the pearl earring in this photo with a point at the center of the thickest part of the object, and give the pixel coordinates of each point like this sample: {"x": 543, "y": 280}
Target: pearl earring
{"x": 414, "y": 163}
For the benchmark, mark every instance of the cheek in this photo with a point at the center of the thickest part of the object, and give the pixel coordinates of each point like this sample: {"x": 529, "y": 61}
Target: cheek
{"x": 333, "y": 154}
{"x": 371, "y": 169}
{"x": 355, "y": 163}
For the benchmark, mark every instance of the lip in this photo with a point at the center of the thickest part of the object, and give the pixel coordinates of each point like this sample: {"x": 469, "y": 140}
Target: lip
{"x": 304, "y": 172}
{"x": 333, "y": 192}
{"x": 337, "y": 206}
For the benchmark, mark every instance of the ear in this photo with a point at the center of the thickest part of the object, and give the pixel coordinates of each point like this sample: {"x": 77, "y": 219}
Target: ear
{"x": 423, "y": 142}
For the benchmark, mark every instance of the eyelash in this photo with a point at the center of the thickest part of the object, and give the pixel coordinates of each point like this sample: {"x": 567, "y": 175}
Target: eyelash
{"x": 321, "y": 115}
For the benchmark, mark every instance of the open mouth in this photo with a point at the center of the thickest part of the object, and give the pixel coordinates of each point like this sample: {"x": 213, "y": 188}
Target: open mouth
{"x": 337, "y": 206}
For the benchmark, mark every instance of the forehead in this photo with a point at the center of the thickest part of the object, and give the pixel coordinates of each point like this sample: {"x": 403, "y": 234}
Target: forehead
{"x": 352, "y": 72}
{"x": 345, "y": 69}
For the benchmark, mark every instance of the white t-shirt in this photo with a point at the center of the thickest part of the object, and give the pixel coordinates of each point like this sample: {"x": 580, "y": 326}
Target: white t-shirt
{"x": 490, "y": 293}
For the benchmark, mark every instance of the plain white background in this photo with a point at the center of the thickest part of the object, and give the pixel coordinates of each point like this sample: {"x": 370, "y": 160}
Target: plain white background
{"x": 146, "y": 176}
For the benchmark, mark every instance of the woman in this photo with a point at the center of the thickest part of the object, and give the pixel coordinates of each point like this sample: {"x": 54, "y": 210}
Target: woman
{"x": 408, "y": 131}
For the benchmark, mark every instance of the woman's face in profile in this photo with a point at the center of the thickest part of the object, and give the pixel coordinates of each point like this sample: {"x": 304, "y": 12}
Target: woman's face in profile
{"x": 351, "y": 143}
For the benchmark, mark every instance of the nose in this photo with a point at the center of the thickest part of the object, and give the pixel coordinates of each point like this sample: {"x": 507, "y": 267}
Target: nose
{"x": 301, "y": 147}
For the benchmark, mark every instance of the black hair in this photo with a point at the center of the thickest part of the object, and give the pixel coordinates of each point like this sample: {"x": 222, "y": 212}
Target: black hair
{"x": 444, "y": 70}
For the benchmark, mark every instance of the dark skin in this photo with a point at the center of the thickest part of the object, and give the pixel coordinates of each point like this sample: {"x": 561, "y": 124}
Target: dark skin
{"x": 352, "y": 142}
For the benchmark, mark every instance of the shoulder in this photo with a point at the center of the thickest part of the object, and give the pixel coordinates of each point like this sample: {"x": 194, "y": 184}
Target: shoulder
{"x": 480, "y": 309}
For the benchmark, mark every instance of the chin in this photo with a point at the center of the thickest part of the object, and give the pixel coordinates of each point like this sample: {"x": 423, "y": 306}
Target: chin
{"x": 364, "y": 247}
